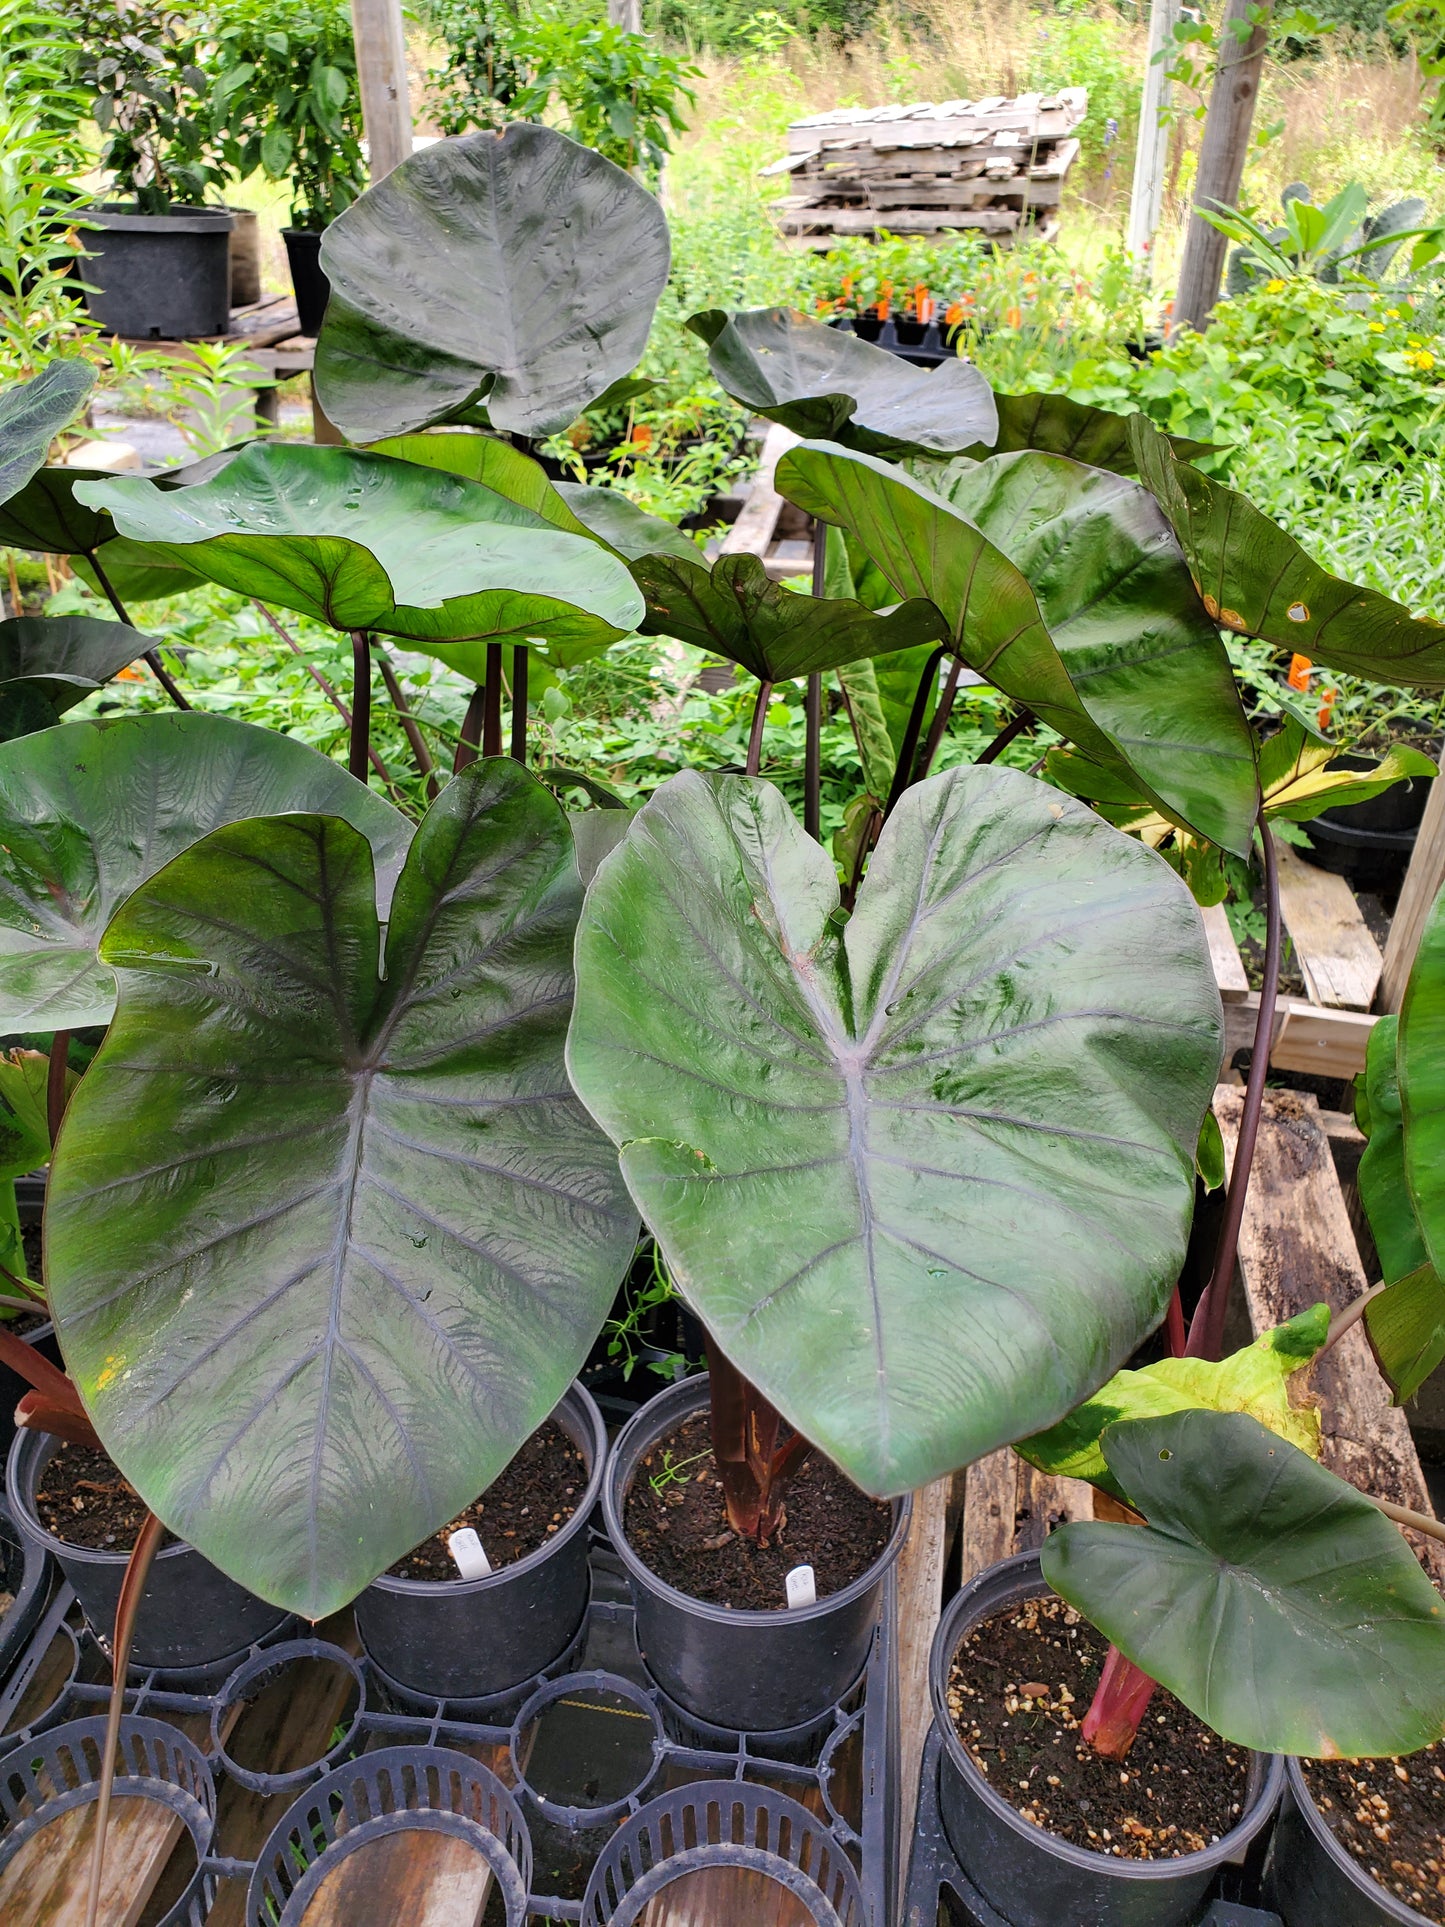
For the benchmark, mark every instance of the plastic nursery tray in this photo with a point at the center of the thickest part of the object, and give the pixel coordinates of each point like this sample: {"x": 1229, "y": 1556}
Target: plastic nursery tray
{"x": 591, "y": 1821}
{"x": 931, "y": 350}
{"x": 940, "y": 1893}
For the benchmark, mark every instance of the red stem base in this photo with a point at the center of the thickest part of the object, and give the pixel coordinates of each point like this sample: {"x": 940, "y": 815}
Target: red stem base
{"x": 1112, "y": 1721}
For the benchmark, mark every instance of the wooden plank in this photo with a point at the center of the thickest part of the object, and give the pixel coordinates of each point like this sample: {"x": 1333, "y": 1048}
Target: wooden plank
{"x": 920, "y": 1605}
{"x": 1296, "y": 1248}
{"x": 1340, "y": 960}
{"x": 45, "y": 1885}
{"x": 1009, "y": 1507}
{"x": 423, "y": 1879}
{"x": 1224, "y": 953}
{"x": 1347, "y": 1144}
{"x": 1326, "y": 1043}
{"x": 1422, "y": 885}
{"x": 753, "y": 531}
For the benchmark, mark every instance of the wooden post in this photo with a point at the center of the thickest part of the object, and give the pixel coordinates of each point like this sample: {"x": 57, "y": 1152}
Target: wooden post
{"x": 376, "y": 27}
{"x": 626, "y": 14}
{"x": 1146, "y": 197}
{"x": 1422, "y": 885}
{"x": 1222, "y": 154}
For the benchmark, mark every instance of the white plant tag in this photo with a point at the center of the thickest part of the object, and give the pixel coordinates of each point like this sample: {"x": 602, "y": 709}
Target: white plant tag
{"x": 472, "y": 1562}
{"x": 802, "y": 1587}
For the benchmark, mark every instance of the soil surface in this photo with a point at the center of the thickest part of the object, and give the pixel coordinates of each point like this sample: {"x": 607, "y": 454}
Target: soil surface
{"x": 1018, "y": 1691}
{"x": 523, "y": 1507}
{"x": 1389, "y": 1815}
{"x": 84, "y": 1500}
{"x": 677, "y": 1525}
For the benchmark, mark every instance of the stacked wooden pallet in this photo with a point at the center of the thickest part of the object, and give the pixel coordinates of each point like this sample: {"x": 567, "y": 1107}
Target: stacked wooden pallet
{"x": 993, "y": 165}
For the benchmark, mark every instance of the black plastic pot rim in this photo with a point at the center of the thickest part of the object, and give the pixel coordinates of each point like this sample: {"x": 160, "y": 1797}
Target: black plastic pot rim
{"x": 624, "y": 1446}
{"x": 86, "y": 1555}
{"x": 586, "y": 1506}
{"x": 1342, "y": 1862}
{"x": 1354, "y": 838}
{"x": 946, "y": 1643}
{"x": 180, "y": 220}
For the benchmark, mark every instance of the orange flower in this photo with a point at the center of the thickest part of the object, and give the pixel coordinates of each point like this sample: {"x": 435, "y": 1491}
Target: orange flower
{"x": 954, "y": 316}
{"x": 641, "y": 437}
{"x": 129, "y": 674}
{"x": 1013, "y": 317}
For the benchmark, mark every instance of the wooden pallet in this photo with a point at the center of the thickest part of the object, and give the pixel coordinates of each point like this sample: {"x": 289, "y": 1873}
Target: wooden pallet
{"x": 995, "y": 166}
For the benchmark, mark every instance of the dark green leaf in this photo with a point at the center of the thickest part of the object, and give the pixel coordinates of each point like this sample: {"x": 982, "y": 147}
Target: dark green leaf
{"x": 1277, "y": 1603}
{"x": 32, "y": 414}
{"x": 91, "y": 809}
{"x": 375, "y": 1228}
{"x": 1406, "y": 1324}
{"x": 44, "y": 514}
{"x": 520, "y": 270}
{"x": 736, "y": 610}
{"x": 928, "y": 548}
{"x": 24, "y": 1113}
{"x": 58, "y": 661}
{"x": 1383, "y": 1190}
{"x": 608, "y": 515}
{"x": 1058, "y": 425}
{"x": 1116, "y": 595}
{"x": 1258, "y": 581}
{"x": 492, "y": 462}
{"x": 1420, "y": 1063}
{"x": 363, "y": 541}
{"x": 925, "y": 1175}
{"x": 823, "y": 383}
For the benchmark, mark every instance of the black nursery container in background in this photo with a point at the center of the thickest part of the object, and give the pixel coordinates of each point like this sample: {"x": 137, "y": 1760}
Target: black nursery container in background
{"x": 308, "y": 278}
{"x": 159, "y": 277}
{"x": 477, "y": 1639}
{"x": 751, "y": 1672}
{"x": 191, "y": 1616}
{"x": 1032, "y": 1878}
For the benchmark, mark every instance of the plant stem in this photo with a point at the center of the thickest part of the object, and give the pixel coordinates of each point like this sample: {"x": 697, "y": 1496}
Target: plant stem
{"x": 327, "y": 688}
{"x": 55, "y": 1084}
{"x": 1346, "y": 1320}
{"x": 521, "y": 658}
{"x": 492, "y": 702}
{"x": 753, "y": 1467}
{"x": 908, "y": 749}
{"x": 1206, "y": 1329}
{"x": 136, "y": 1573}
{"x": 1120, "y": 1702}
{"x": 939, "y": 724}
{"x": 152, "y": 656}
{"x": 420, "y": 754}
{"x": 1403, "y": 1516}
{"x": 865, "y": 844}
{"x": 360, "y": 704}
{"x": 1005, "y": 736}
{"x": 467, "y": 748}
{"x": 813, "y": 758}
{"x": 755, "y": 738}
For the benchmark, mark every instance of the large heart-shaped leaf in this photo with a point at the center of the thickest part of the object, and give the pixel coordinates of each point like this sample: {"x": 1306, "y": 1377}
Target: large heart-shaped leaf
{"x": 833, "y": 386}
{"x": 1140, "y": 650}
{"x": 1258, "y": 581}
{"x": 925, "y": 1174}
{"x": 328, "y": 1235}
{"x": 1421, "y": 1066}
{"x": 91, "y": 809}
{"x": 927, "y": 547}
{"x": 517, "y": 270}
{"x": 50, "y": 663}
{"x": 1254, "y": 1380}
{"x": 363, "y": 541}
{"x": 32, "y": 414}
{"x": 1277, "y": 1603}
{"x": 44, "y": 515}
{"x": 736, "y": 610}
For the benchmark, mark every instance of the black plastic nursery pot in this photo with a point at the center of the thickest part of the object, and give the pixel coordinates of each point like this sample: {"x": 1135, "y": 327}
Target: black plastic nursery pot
{"x": 159, "y": 277}
{"x": 747, "y": 1672}
{"x": 1370, "y": 843}
{"x": 245, "y": 257}
{"x": 308, "y": 279}
{"x": 1031, "y": 1878}
{"x": 475, "y": 1639}
{"x": 1312, "y": 1880}
{"x": 191, "y": 1615}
